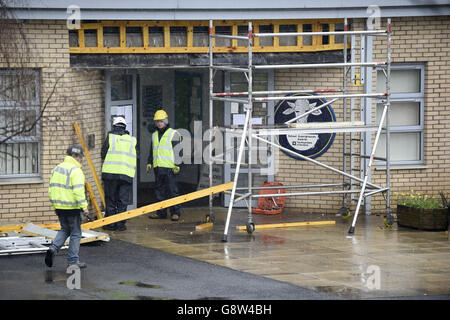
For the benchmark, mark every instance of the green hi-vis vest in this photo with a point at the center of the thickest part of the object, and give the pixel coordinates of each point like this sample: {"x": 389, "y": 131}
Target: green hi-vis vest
{"x": 121, "y": 156}
{"x": 66, "y": 190}
{"x": 163, "y": 155}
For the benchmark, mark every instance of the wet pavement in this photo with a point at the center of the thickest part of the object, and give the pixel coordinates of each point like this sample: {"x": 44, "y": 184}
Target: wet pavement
{"x": 120, "y": 270}
{"x": 166, "y": 260}
{"x": 375, "y": 262}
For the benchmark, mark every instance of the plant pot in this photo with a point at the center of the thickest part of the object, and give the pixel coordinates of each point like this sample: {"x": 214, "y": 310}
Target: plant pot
{"x": 423, "y": 219}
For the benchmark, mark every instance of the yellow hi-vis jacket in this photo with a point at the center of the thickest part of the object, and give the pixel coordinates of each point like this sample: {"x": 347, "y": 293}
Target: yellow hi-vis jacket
{"x": 66, "y": 190}
{"x": 163, "y": 155}
{"x": 121, "y": 156}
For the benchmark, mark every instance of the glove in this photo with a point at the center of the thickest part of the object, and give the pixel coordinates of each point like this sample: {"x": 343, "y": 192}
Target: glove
{"x": 86, "y": 214}
{"x": 176, "y": 170}
{"x": 149, "y": 167}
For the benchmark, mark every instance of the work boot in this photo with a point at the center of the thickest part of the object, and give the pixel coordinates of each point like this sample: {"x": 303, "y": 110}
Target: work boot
{"x": 49, "y": 255}
{"x": 121, "y": 227}
{"x": 80, "y": 265}
{"x": 175, "y": 217}
{"x": 154, "y": 215}
{"x": 110, "y": 227}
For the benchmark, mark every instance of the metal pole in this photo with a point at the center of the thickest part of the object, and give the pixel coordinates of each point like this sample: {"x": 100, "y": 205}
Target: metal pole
{"x": 211, "y": 88}
{"x": 383, "y": 116}
{"x": 344, "y": 90}
{"x": 295, "y": 187}
{"x": 323, "y": 33}
{"x": 250, "y": 106}
{"x": 236, "y": 174}
{"x": 311, "y": 111}
{"x": 365, "y": 95}
{"x": 322, "y": 65}
{"x": 388, "y": 131}
{"x": 244, "y": 93}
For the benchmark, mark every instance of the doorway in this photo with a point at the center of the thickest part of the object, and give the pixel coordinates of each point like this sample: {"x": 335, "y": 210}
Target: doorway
{"x": 121, "y": 100}
{"x": 183, "y": 94}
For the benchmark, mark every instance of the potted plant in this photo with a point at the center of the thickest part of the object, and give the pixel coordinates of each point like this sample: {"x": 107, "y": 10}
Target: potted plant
{"x": 422, "y": 212}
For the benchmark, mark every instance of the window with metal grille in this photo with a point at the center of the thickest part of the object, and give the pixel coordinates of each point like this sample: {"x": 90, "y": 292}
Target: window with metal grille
{"x": 19, "y": 128}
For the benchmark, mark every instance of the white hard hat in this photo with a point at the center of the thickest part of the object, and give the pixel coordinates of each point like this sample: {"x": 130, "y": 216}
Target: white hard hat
{"x": 119, "y": 120}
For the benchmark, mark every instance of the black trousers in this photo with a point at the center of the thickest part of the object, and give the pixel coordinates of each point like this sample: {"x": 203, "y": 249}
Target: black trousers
{"x": 117, "y": 194}
{"x": 166, "y": 187}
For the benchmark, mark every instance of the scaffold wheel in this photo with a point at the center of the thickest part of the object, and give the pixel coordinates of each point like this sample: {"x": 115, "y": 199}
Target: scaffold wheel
{"x": 344, "y": 212}
{"x": 250, "y": 227}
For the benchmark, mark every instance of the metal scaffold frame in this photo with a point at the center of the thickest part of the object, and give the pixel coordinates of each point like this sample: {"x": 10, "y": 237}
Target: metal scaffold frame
{"x": 249, "y": 132}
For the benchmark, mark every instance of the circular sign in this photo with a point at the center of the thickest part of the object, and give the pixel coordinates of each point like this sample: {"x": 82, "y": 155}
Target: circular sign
{"x": 310, "y": 145}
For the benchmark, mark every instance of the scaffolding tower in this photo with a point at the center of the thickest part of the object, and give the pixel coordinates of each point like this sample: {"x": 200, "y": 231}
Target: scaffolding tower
{"x": 249, "y": 132}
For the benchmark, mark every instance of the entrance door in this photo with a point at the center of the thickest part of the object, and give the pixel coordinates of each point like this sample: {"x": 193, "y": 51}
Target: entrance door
{"x": 188, "y": 96}
{"x": 120, "y": 100}
{"x": 263, "y": 113}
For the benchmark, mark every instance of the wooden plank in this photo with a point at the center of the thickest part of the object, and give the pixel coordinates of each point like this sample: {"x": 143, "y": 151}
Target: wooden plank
{"x": 288, "y": 225}
{"x": 89, "y": 161}
{"x": 19, "y": 227}
{"x": 93, "y": 200}
{"x": 157, "y": 206}
{"x": 204, "y": 226}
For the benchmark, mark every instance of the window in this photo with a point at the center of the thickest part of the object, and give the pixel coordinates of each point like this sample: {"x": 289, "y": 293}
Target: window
{"x": 406, "y": 114}
{"x": 19, "y": 129}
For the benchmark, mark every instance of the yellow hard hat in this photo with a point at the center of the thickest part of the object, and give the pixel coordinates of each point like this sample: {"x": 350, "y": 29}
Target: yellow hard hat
{"x": 160, "y": 115}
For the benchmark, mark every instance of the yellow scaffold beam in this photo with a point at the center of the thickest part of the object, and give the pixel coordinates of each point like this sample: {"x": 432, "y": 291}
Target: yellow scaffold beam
{"x": 288, "y": 224}
{"x": 89, "y": 161}
{"x": 157, "y": 206}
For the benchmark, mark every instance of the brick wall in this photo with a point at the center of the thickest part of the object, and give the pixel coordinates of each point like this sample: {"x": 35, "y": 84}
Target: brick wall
{"x": 424, "y": 40}
{"x": 77, "y": 96}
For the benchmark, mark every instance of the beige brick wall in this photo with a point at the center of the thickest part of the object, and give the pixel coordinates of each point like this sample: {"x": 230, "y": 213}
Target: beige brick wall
{"x": 424, "y": 40}
{"x": 78, "y": 96}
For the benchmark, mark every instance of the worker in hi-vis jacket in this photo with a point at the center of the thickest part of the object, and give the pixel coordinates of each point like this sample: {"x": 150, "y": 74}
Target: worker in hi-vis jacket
{"x": 67, "y": 196}
{"x": 118, "y": 170}
{"x": 162, "y": 159}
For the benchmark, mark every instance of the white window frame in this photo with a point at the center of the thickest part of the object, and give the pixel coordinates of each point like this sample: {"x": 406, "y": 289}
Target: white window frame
{"x": 33, "y": 104}
{"x": 408, "y": 97}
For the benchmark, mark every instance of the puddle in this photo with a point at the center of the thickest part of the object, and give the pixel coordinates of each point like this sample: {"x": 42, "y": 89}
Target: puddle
{"x": 140, "y": 284}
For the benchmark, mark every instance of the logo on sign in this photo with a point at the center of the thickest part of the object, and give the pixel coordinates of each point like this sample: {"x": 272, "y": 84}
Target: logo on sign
{"x": 308, "y": 145}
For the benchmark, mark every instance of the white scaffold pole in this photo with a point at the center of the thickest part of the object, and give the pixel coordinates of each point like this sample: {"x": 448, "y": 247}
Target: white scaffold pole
{"x": 369, "y": 167}
{"x": 211, "y": 107}
{"x": 250, "y": 225}
{"x": 236, "y": 174}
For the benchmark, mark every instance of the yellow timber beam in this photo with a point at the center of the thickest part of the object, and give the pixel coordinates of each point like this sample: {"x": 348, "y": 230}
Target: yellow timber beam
{"x": 89, "y": 161}
{"x": 288, "y": 225}
{"x": 157, "y": 206}
{"x": 193, "y": 38}
{"x": 93, "y": 200}
{"x": 19, "y": 227}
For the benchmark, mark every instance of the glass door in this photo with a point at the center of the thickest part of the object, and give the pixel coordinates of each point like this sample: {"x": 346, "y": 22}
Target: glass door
{"x": 121, "y": 100}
